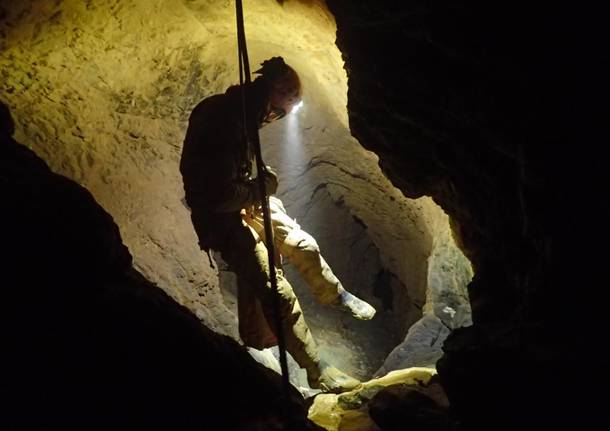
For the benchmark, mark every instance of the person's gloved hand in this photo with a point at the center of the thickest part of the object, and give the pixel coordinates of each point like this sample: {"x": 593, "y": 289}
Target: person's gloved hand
{"x": 271, "y": 184}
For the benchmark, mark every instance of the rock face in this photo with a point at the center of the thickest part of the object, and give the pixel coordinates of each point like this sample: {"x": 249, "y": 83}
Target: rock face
{"x": 352, "y": 411}
{"x": 475, "y": 105}
{"x": 456, "y": 109}
{"x": 398, "y": 405}
{"x": 470, "y": 104}
{"x": 90, "y": 343}
{"x": 421, "y": 347}
{"x": 102, "y": 91}
{"x": 91, "y": 94}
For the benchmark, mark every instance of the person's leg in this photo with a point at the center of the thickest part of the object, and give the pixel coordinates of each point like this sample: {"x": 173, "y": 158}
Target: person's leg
{"x": 241, "y": 248}
{"x": 303, "y": 252}
{"x": 249, "y": 259}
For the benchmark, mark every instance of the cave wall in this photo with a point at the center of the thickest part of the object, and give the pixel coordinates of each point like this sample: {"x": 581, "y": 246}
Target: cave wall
{"x": 89, "y": 343}
{"x": 464, "y": 112}
{"x": 109, "y": 123}
{"x": 102, "y": 91}
{"x": 482, "y": 106}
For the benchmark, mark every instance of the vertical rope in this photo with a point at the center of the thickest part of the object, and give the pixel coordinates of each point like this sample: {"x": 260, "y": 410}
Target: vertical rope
{"x": 252, "y": 137}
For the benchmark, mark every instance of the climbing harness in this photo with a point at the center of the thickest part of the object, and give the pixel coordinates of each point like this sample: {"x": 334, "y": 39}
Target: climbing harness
{"x": 251, "y": 136}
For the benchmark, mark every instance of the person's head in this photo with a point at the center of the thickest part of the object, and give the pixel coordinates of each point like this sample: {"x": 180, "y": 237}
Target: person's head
{"x": 283, "y": 88}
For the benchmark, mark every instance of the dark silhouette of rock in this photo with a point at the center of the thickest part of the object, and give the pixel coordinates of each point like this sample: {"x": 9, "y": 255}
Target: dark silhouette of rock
{"x": 400, "y": 407}
{"x": 490, "y": 121}
{"x": 88, "y": 343}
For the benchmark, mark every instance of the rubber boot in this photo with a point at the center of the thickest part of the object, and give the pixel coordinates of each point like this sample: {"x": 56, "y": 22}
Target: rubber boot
{"x": 355, "y": 306}
{"x": 331, "y": 379}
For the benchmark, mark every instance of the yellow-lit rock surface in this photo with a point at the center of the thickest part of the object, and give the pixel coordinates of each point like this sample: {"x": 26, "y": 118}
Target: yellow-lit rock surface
{"x": 348, "y": 411}
{"x": 102, "y": 91}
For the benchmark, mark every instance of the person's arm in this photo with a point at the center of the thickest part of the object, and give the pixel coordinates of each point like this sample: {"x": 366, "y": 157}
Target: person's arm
{"x": 237, "y": 195}
{"x": 214, "y": 137}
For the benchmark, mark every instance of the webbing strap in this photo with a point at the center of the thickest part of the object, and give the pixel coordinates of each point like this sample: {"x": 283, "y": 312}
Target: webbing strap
{"x": 252, "y": 138}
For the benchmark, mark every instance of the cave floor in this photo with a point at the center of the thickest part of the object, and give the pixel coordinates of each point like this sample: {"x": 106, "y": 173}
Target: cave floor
{"x": 356, "y": 347}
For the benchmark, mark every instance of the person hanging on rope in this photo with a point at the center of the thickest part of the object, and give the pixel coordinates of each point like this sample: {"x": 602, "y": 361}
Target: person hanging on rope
{"x": 225, "y": 203}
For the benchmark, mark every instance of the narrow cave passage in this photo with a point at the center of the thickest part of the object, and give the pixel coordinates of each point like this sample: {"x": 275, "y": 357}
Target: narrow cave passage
{"x": 102, "y": 92}
{"x": 394, "y": 252}
{"x": 114, "y": 315}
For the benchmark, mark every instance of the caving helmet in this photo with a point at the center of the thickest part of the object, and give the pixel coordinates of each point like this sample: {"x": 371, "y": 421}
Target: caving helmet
{"x": 284, "y": 87}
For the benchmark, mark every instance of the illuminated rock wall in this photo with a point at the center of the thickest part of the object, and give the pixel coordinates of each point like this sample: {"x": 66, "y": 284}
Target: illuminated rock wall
{"x": 102, "y": 91}
{"x": 487, "y": 107}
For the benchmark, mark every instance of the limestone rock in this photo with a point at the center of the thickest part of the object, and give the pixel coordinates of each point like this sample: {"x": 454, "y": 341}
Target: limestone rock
{"x": 102, "y": 91}
{"x": 482, "y": 118}
{"x": 349, "y": 410}
{"x": 91, "y": 343}
{"x": 422, "y": 346}
{"x": 400, "y": 406}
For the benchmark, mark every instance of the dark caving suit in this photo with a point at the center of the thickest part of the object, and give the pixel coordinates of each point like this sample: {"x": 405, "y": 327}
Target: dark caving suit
{"x": 216, "y": 167}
